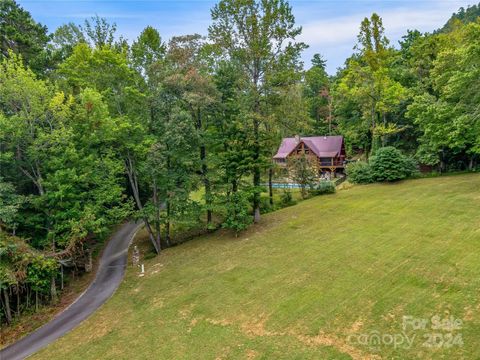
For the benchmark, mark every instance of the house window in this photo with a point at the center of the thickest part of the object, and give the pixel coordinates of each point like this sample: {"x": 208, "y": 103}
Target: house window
{"x": 325, "y": 161}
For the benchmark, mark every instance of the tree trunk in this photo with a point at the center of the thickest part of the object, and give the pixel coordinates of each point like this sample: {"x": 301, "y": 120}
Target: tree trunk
{"x": 132, "y": 177}
{"x": 18, "y": 300}
{"x": 384, "y": 136}
{"x": 471, "y": 163}
{"x": 256, "y": 172}
{"x": 167, "y": 225}
{"x": 156, "y": 202}
{"x": 8, "y": 312}
{"x": 41, "y": 190}
{"x": 61, "y": 276}
{"x": 270, "y": 185}
{"x": 330, "y": 114}
{"x": 151, "y": 236}
{"x": 256, "y": 145}
{"x": 89, "y": 263}
{"x": 256, "y": 214}
{"x": 234, "y": 186}
{"x": 367, "y": 151}
{"x": 53, "y": 290}
{"x": 204, "y": 170}
{"x": 206, "y": 183}
{"x": 36, "y": 300}
{"x": 168, "y": 206}
{"x": 372, "y": 130}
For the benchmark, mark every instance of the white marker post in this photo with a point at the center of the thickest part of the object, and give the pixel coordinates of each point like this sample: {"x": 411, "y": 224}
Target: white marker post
{"x": 142, "y": 273}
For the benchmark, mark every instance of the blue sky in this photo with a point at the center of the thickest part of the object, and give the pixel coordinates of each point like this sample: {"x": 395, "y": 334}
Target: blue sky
{"x": 329, "y": 27}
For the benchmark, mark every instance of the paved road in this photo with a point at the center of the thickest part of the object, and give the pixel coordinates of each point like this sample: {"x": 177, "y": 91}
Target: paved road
{"x": 109, "y": 275}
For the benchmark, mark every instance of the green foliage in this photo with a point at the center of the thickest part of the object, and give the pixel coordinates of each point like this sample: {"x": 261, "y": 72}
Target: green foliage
{"x": 10, "y": 260}
{"x": 96, "y": 32}
{"x": 10, "y": 203}
{"x": 22, "y": 35}
{"x": 448, "y": 116}
{"x": 359, "y": 172}
{"x": 265, "y": 206}
{"x": 303, "y": 173}
{"x": 368, "y": 86}
{"x": 470, "y": 14}
{"x": 260, "y": 38}
{"x": 318, "y": 97}
{"x": 147, "y": 50}
{"x": 238, "y": 216}
{"x": 411, "y": 167}
{"x": 91, "y": 126}
{"x": 99, "y": 31}
{"x": 21, "y": 265}
{"x": 65, "y": 38}
{"x": 323, "y": 188}
{"x": 58, "y": 143}
{"x": 286, "y": 198}
{"x": 39, "y": 273}
{"x": 107, "y": 71}
{"x": 421, "y": 98}
{"x": 389, "y": 164}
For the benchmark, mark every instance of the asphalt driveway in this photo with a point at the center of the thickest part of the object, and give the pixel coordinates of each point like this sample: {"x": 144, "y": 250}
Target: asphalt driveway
{"x": 109, "y": 276}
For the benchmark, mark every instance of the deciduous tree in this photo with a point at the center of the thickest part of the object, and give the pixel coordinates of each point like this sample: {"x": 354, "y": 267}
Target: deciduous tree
{"x": 260, "y": 37}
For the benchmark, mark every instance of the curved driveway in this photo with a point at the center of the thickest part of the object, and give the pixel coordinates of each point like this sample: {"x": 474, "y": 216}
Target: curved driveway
{"x": 109, "y": 275}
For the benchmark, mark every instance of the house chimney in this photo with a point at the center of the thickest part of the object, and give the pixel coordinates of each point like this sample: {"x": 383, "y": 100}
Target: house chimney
{"x": 297, "y": 139}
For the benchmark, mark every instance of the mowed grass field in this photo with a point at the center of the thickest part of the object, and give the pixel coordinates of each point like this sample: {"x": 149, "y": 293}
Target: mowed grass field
{"x": 314, "y": 281}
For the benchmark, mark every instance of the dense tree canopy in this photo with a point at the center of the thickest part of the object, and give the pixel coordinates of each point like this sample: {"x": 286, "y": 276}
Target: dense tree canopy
{"x": 20, "y": 34}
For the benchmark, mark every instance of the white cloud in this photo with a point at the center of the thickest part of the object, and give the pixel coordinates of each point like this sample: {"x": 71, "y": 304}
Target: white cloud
{"x": 345, "y": 28}
{"x": 333, "y": 36}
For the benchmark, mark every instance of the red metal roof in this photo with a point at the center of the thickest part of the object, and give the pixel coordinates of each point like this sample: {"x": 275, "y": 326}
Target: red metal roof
{"x": 322, "y": 146}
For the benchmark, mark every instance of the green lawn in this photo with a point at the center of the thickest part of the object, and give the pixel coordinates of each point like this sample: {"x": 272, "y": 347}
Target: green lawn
{"x": 307, "y": 283}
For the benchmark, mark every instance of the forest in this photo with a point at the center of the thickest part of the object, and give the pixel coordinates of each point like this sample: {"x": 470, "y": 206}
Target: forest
{"x": 96, "y": 129}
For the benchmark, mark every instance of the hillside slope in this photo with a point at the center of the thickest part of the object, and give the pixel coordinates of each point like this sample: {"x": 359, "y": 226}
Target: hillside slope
{"x": 315, "y": 281}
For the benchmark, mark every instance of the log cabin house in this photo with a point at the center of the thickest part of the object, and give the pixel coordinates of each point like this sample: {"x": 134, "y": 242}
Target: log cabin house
{"x": 326, "y": 153}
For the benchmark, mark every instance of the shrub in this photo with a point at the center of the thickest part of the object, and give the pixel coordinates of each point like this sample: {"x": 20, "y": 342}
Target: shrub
{"x": 359, "y": 172}
{"x": 411, "y": 167}
{"x": 286, "y": 198}
{"x": 324, "y": 187}
{"x": 389, "y": 164}
{"x": 238, "y": 217}
{"x": 265, "y": 206}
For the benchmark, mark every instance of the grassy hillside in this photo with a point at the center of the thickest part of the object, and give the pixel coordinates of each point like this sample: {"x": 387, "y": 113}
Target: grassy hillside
{"x": 307, "y": 283}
